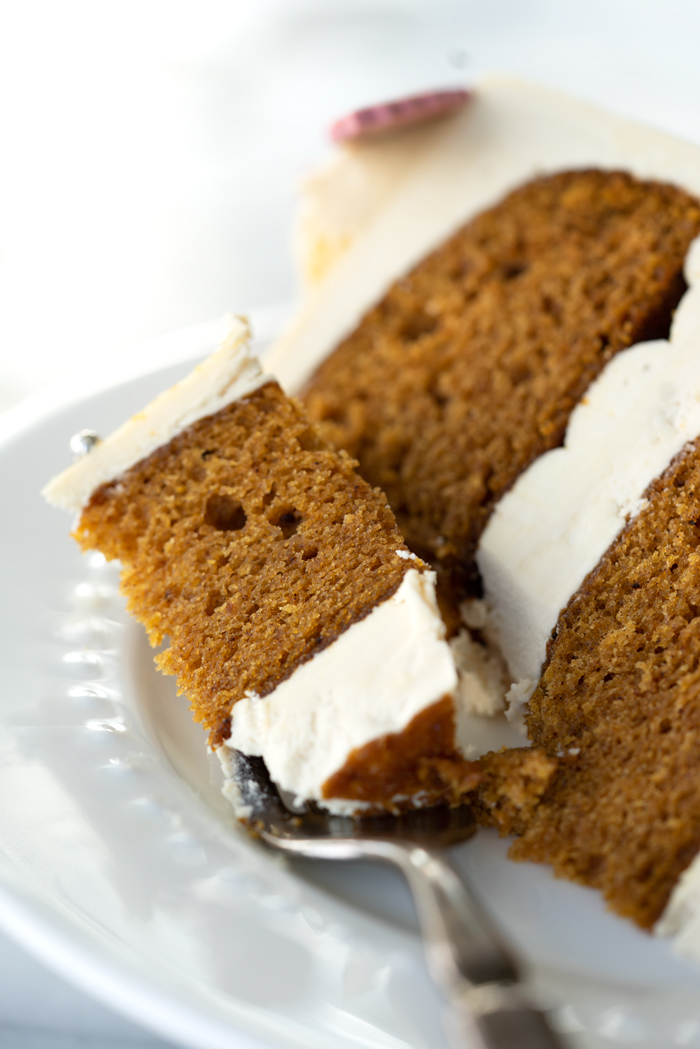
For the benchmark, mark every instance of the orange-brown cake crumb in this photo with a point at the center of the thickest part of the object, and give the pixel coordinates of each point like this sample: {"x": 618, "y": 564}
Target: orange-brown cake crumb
{"x": 468, "y": 368}
{"x": 511, "y": 786}
{"x": 619, "y": 703}
{"x": 422, "y": 760}
{"x": 250, "y": 544}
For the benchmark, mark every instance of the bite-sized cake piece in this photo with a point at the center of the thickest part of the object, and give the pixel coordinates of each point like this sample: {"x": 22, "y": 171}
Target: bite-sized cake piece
{"x": 299, "y": 625}
{"x": 446, "y": 380}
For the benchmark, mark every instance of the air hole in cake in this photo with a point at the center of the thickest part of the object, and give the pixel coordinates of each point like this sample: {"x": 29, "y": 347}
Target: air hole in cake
{"x": 287, "y": 519}
{"x": 308, "y": 440}
{"x": 520, "y": 375}
{"x": 417, "y": 325}
{"x": 438, "y": 392}
{"x": 511, "y": 270}
{"x": 460, "y": 270}
{"x": 208, "y": 454}
{"x": 665, "y": 726}
{"x": 309, "y": 553}
{"x": 552, "y": 307}
{"x": 595, "y": 866}
{"x": 224, "y": 512}
{"x": 214, "y": 600}
{"x": 608, "y": 677}
{"x": 269, "y": 498}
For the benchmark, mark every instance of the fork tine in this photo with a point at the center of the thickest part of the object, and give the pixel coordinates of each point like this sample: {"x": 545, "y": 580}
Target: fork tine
{"x": 436, "y": 827}
{"x": 464, "y": 954}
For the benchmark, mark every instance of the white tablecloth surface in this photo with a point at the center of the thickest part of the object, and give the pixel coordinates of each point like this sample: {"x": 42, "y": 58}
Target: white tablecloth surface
{"x": 150, "y": 152}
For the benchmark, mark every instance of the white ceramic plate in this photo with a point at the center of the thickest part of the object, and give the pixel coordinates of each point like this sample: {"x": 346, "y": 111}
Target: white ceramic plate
{"x": 121, "y": 867}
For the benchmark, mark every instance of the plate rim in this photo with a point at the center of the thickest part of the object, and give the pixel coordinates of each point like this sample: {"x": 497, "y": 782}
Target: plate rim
{"x": 51, "y": 937}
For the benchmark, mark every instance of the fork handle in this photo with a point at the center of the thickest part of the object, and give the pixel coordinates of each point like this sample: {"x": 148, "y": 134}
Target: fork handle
{"x": 498, "y": 1019}
{"x": 467, "y": 961}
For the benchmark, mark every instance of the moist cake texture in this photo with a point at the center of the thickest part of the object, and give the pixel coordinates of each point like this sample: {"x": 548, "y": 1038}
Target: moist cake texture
{"x": 619, "y": 703}
{"x": 468, "y": 368}
{"x": 514, "y": 134}
{"x": 299, "y": 625}
{"x": 606, "y": 527}
{"x": 249, "y": 544}
{"x": 551, "y": 529}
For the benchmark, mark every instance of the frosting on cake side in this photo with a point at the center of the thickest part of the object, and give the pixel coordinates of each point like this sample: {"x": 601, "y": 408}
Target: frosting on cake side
{"x": 512, "y": 132}
{"x": 228, "y": 375}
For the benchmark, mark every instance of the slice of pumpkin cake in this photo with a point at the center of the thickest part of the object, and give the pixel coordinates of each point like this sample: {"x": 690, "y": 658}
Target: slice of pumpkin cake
{"x": 505, "y": 338}
{"x": 591, "y": 568}
{"x": 299, "y": 624}
{"x": 509, "y": 253}
{"x": 468, "y": 367}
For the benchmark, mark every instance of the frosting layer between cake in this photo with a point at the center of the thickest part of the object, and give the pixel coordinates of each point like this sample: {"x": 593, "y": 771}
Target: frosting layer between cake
{"x": 513, "y": 133}
{"x": 552, "y": 529}
{"x": 370, "y": 682}
{"x": 563, "y": 513}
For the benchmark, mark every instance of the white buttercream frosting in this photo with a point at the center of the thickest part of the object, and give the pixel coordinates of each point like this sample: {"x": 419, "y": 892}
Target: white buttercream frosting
{"x": 482, "y": 678}
{"x": 562, "y": 514}
{"x": 511, "y": 132}
{"x": 373, "y": 680}
{"x": 229, "y": 374}
{"x": 341, "y": 197}
{"x": 681, "y": 918}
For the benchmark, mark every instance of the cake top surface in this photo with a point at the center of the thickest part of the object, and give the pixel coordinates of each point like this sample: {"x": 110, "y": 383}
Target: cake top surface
{"x": 227, "y": 375}
{"x": 511, "y": 133}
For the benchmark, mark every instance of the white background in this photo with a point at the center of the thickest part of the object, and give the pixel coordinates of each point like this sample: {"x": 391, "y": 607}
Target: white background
{"x": 149, "y": 153}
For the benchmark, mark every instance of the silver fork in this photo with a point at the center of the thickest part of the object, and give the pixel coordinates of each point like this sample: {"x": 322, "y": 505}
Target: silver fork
{"x": 468, "y": 963}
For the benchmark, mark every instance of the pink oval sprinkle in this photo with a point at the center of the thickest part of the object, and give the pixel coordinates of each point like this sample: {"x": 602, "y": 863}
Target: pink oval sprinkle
{"x": 392, "y": 116}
